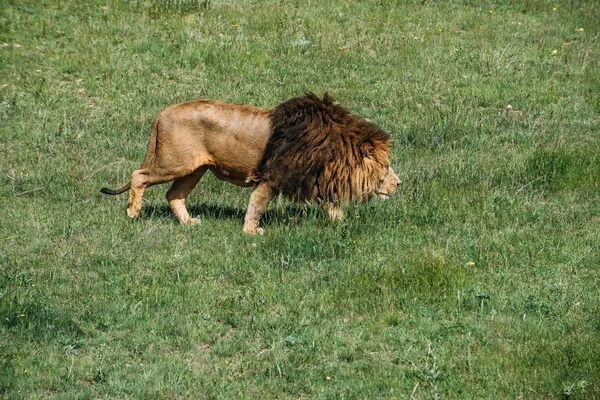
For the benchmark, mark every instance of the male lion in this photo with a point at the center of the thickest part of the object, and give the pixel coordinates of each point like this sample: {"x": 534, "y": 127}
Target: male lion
{"x": 305, "y": 148}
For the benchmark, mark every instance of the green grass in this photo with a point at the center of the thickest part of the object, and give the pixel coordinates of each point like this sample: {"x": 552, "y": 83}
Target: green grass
{"x": 479, "y": 279}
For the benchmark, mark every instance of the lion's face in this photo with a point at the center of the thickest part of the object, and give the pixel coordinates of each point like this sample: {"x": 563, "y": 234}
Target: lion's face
{"x": 387, "y": 183}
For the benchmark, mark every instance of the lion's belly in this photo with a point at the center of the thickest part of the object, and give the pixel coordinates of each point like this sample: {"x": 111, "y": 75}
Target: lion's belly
{"x": 237, "y": 177}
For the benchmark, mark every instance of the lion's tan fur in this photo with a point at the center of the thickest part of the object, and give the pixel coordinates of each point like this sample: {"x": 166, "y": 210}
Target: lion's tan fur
{"x": 187, "y": 139}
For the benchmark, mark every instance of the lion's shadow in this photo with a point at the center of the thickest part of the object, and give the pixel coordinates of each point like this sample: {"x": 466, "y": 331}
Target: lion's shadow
{"x": 214, "y": 211}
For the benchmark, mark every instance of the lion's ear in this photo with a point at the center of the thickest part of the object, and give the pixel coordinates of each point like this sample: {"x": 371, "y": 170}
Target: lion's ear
{"x": 367, "y": 149}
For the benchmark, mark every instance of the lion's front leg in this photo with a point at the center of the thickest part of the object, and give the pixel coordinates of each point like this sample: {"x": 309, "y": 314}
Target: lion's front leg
{"x": 260, "y": 198}
{"x": 334, "y": 210}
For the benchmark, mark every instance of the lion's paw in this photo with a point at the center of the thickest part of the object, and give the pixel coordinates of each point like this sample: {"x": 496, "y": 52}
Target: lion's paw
{"x": 254, "y": 231}
{"x": 132, "y": 214}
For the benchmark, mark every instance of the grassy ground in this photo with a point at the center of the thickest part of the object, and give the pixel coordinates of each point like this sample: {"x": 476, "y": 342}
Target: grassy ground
{"x": 479, "y": 279}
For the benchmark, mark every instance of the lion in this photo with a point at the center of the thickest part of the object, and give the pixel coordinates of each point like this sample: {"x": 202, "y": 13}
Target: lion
{"x": 306, "y": 148}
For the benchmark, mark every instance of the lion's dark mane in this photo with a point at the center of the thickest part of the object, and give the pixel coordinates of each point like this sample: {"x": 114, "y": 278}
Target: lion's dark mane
{"x": 314, "y": 152}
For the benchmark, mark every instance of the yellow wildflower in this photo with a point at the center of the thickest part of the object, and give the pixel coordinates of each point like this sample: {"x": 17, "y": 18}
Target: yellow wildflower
{"x": 580, "y": 29}
{"x": 554, "y": 52}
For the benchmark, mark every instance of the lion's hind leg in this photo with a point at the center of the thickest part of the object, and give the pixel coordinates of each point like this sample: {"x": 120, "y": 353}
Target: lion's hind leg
{"x": 139, "y": 183}
{"x": 180, "y": 189}
{"x": 146, "y": 177}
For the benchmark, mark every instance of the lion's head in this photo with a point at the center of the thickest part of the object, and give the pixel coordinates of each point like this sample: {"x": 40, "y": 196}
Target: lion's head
{"x": 320, "y": 151}
{"x": 387, "y": 185}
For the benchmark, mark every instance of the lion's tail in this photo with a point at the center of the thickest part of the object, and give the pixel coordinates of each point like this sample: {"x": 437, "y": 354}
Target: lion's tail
{"x": 115, "y": 192}
{"x": 150, "y": 152}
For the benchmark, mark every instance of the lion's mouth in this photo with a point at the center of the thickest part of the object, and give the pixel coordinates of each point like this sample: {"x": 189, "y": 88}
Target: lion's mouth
{"x": 382, "y": 195}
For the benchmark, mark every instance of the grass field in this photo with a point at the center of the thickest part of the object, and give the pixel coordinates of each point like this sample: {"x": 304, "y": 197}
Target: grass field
{"x": 480, "y": 278}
